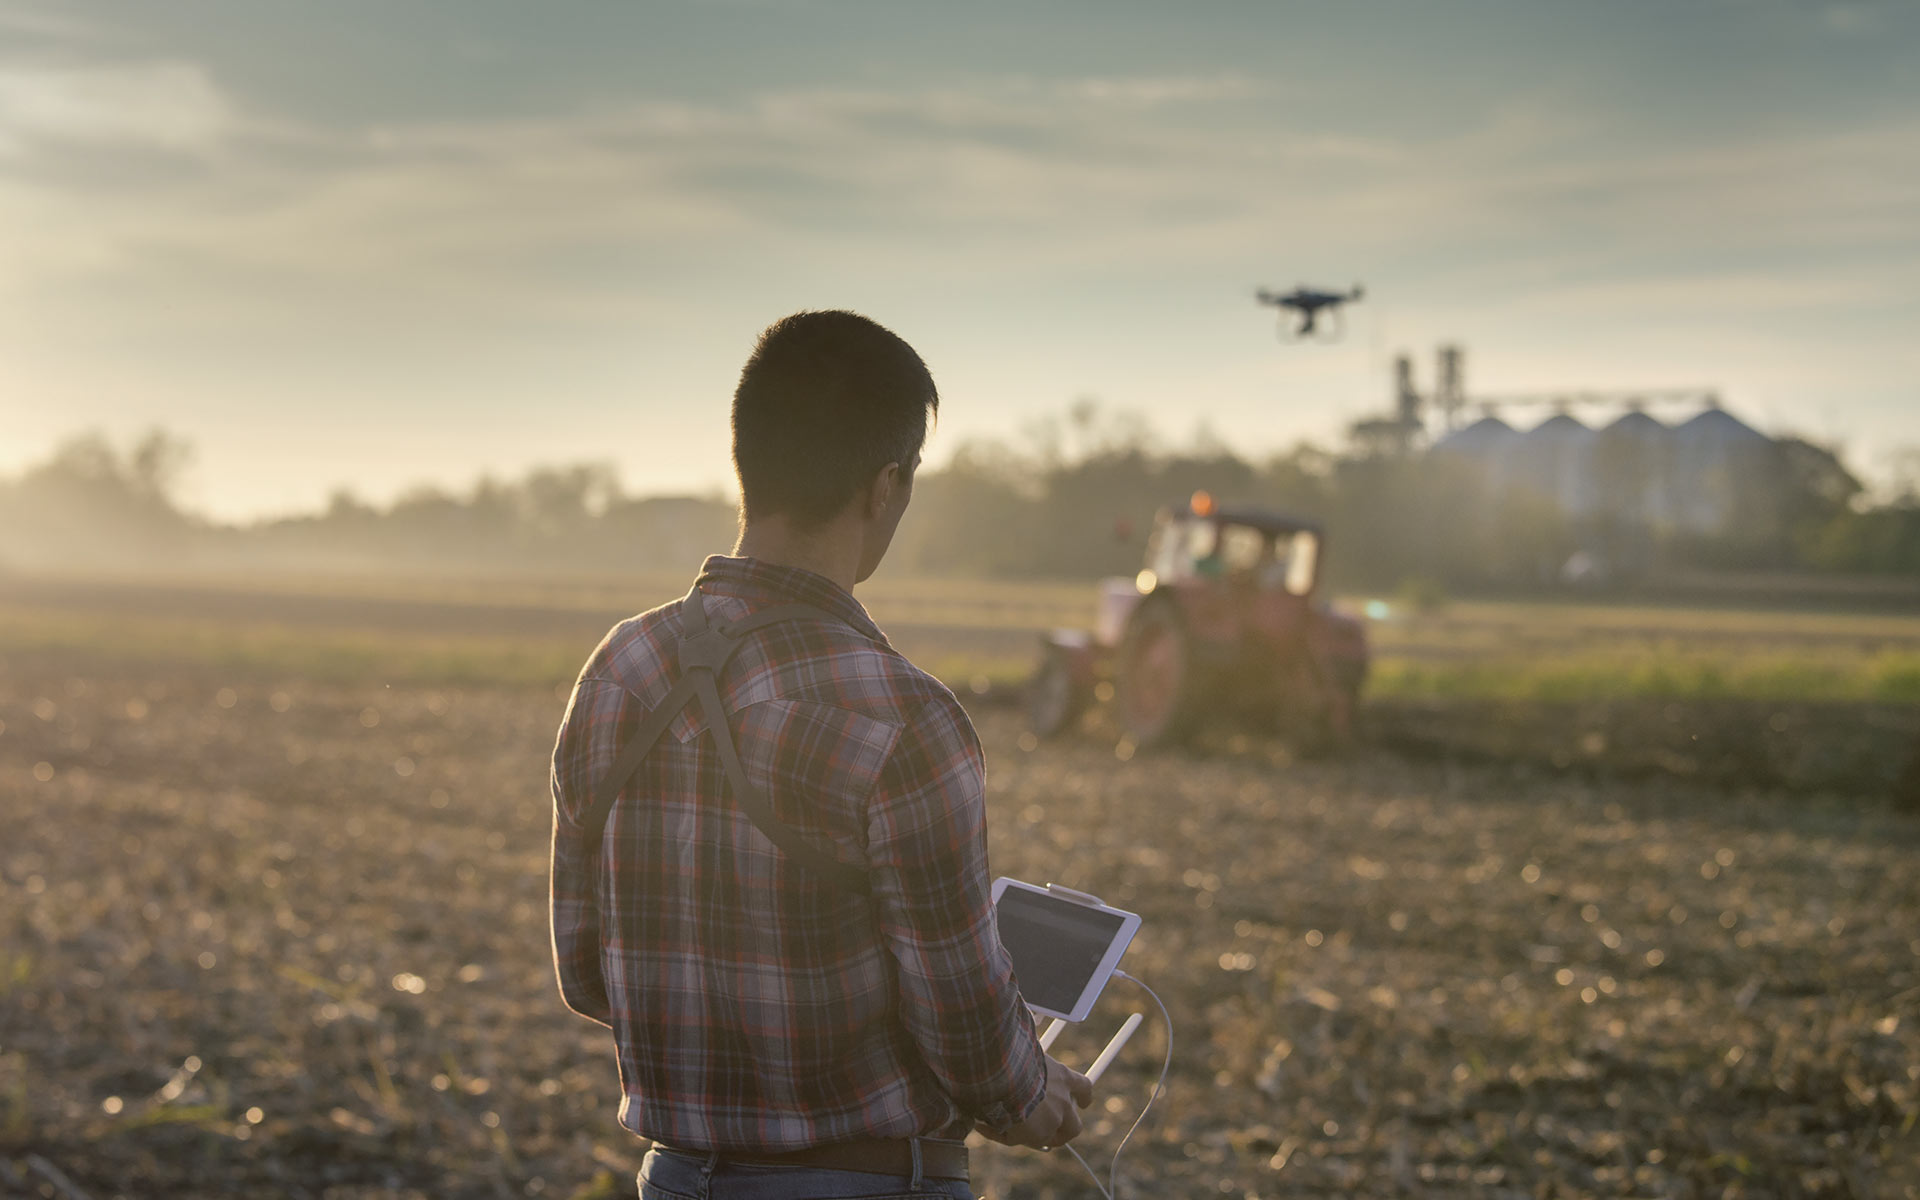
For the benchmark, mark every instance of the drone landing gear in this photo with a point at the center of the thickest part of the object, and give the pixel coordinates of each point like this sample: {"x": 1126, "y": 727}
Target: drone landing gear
{"x": 1315, "y": 328}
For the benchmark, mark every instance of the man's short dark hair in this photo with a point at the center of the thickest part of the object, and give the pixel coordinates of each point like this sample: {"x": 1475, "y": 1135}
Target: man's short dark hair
{"x": 825, "y": 401}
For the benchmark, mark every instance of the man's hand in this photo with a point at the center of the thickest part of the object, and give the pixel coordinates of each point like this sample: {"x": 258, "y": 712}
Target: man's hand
{"x": 1056, "y": 1120}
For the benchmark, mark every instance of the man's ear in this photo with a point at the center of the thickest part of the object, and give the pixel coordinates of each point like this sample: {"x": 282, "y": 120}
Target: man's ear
{"x": 880, "y": 492}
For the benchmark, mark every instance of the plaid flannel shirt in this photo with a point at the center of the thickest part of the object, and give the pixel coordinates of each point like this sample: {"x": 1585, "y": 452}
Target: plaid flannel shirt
{"x": 754, "y": 1005}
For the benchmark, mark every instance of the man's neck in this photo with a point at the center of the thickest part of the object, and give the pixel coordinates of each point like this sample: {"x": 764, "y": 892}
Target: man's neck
{"x": 831, "y": 550}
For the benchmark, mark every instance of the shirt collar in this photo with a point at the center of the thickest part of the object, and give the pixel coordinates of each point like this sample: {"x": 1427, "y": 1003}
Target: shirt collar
{"x": 752, "y": 579}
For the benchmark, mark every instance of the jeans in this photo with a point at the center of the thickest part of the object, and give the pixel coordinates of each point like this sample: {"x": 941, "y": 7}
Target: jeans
{"x": 671, "y": 1175}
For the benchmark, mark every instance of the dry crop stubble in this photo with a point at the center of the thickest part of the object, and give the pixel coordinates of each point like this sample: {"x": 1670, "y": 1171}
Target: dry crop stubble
{"x": 267, "y": 936}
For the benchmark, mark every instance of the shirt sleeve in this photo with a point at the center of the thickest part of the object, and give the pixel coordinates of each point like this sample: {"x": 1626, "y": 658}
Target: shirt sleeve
{"x": 928, "y": 851}
{"x": 574, "y": 907}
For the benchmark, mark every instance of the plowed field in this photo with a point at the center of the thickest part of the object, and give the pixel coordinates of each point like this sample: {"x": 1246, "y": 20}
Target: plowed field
{"x": 269, "y": 936}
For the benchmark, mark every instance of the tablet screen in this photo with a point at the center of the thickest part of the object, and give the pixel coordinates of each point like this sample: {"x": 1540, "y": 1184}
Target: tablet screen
{"x": 1056, "y": 945}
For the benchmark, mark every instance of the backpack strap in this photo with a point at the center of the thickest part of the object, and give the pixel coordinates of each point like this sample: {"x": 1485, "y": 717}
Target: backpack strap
{"x": 704, "y": 650}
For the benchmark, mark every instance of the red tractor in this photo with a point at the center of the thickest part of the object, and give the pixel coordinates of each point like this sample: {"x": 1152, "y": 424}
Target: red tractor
{"x": 1223, "y": 619}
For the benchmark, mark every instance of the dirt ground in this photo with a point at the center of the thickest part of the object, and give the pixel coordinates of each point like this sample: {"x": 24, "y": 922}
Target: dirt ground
{"x": 266, "y": 937}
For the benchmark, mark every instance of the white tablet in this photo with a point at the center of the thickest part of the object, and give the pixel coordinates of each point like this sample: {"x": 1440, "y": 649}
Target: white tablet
{"x": 1064, "y": 944}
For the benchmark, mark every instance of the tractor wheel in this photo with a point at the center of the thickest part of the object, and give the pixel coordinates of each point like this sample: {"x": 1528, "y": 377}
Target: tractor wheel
{"x": 1342, "y": 717}
{"x": 1055, "y": 699}
{"x": 1319, "y": 718}
{"x": 1154, "y": 692}
{"x": 1328, "y": 733}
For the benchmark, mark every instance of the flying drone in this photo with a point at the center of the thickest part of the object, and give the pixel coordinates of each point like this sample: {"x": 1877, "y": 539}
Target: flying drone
{"x": 1310, "y": 303}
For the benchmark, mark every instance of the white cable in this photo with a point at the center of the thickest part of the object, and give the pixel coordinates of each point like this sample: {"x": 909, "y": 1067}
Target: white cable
{"x": 1088, "y": 1167}
{"x": 1113, "y": 1169}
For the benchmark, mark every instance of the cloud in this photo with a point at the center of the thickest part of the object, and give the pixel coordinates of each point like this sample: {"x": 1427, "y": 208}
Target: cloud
{"x": 1066, "y": 170}
{"x": 1001, "y": 180}
{"x": 1850, "y": 20}
{"x": 820, "y": 169}
{"x": 153, "y": 106}
{"x": 59, "y": 25}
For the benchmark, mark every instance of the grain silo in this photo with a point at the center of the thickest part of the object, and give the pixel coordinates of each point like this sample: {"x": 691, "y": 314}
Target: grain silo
{"x": 1484, "y": 447}
{"x": 1485, "y": 439}
{"x": 1721, "y": 468}
{"x": 1632, "y": 469}
{"x": 1554, "y": 460}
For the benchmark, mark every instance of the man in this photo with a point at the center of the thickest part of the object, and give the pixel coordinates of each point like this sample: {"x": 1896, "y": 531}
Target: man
{"x": 796, "y": 951}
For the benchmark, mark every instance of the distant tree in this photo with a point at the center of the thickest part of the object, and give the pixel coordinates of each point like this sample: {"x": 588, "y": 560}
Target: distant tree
{"x": 158, "y": 462}
{"x": 1300, "y": 478}
{"x": 343, "y": 506}
{"x": 90, "y": 505}
{"x": 1781, "y": 495}
{"x": 980, "y": 515}
{"x": 1814, "y": 484}
{"x": 1879, "y": 540}
{"x": 559, "y": 499}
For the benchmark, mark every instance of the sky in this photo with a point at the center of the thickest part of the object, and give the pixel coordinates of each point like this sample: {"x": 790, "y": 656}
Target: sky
{"x": 376, "y": 243}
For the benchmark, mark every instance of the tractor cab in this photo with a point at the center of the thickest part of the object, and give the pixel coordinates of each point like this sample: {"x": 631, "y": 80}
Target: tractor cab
{"x": 1202, "y": 542}
{"x": 1199, "y": 550}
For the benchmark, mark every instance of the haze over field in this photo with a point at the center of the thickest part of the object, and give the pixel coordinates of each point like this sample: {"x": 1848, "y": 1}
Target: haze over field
{"x": 371, "y": 244}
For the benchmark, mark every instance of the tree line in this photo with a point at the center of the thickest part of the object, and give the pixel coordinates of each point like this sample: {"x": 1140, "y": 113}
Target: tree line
{"x": 1073, "y": 497}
